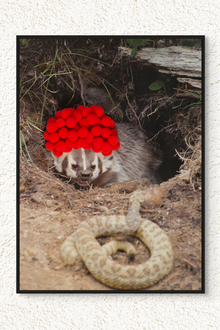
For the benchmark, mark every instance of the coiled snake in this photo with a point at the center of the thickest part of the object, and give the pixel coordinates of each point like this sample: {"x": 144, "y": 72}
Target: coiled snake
{"x": 83, "y": 245}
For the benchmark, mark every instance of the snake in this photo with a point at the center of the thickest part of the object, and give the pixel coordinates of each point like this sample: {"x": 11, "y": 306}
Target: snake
{"x": 83, "y": 246}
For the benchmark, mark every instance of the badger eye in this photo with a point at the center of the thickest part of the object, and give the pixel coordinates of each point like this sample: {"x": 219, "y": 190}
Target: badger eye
{"x": 74, "y": 166}
{"x": 92, "y": 167}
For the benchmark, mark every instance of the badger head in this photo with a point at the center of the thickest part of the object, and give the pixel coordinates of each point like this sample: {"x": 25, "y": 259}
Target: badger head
{"x": 83, "y": 166}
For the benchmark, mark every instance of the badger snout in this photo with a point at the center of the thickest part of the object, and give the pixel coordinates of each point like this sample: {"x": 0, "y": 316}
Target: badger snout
{"x": 85, "y": 173}
{"x": 84, "y": 177}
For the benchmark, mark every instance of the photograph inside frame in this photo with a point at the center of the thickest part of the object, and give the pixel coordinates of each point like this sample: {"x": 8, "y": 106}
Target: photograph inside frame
{"x": 110, "y": 171}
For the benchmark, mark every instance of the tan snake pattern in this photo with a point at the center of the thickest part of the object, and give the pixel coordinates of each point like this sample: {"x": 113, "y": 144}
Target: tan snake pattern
{"x": 83, "y": 245}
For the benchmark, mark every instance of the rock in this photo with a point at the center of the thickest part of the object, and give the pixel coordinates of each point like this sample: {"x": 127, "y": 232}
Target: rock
{"x": 130, "y": 186}
{"x": 153, "y": 196}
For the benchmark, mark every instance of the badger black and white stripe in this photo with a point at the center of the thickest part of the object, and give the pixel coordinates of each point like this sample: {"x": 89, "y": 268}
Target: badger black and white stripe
{"x": 133, "y": 160}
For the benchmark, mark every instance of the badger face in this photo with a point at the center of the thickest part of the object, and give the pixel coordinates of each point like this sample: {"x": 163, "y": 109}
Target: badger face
{"x": 83, "y": 166}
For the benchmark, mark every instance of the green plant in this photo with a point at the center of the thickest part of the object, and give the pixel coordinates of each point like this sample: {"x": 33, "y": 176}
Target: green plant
{"x": 136, "y": 43}
{"x": 25, "y": 43}
{"x": 156, "y": 85}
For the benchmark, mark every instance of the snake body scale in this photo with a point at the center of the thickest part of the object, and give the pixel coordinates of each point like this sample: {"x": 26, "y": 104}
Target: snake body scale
{"x": 83, "y": 245}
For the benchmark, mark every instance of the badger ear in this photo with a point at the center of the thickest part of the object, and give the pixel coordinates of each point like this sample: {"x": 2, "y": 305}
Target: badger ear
{"x": 58, "y": 162}
{"x": 106, "y": 162}
{"x": 106, "y": 158}
{"x": 110, "y": 157}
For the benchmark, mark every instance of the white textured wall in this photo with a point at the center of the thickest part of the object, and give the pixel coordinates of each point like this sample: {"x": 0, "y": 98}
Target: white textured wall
{"x": 90, "y": 311}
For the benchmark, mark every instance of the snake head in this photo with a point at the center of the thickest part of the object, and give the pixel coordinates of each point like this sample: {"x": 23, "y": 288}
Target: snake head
{"x": 136, "y": 197}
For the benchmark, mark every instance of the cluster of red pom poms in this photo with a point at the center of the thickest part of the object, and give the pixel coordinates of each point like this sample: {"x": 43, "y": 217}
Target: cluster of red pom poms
{"x": 85, "y": 127}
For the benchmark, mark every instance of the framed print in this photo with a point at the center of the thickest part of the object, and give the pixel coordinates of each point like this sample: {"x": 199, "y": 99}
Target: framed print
{"x": 110, "y": 134}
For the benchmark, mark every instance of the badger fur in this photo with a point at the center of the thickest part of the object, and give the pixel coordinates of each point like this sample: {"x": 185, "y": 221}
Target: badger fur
{"x": 133, "y": 160}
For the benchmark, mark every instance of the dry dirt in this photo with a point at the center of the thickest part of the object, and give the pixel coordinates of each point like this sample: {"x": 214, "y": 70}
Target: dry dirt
{"x": 51, "y": 209}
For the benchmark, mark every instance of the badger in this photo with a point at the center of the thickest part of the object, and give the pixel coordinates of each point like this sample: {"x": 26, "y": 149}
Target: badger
{"x": 133, "y": 160}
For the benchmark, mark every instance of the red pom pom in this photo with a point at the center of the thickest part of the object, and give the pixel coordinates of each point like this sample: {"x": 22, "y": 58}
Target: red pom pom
{"x": 112, "y": 124}
{"x": 67, "y": 150}
{"x": 51, "y": 127}
{"x": 65, "y": 113}
{"x": 71, "y": 122}
{"x": 49, "y": 146}
{"x": 80, "y": 142}
{"x": 57, "y": 153}
{"x": 46, "y": 135}
{"x": 89, "y": 138}
{"x": 60, "y": 122}
{"x": 83, "y": 132}
{"x": 113, "y": 140}
{"x": 83, "y": 122}
{"x": 106, "y": 121}
{"x": 98, "y": 111}
{"x": 69, "y": 143}
{"x": 106, "y": 148}
{"x": 73, "y": 135}
{"x": 98, "y": 142}
{"x": 93, "y": 106}
{"x": 80, "y": 108}
{"x": 63, "y": 132}
{"x": 116, "y": 146}
{"x": 106, "y": 153}
{"x": 88, "y": 133}
{"x": 54, "y": 137}
{"x": 51, "y": 120}
{"x": 96, "y": 149}
{"x": 86, "y": 112}
{"x": 88, "y": 146}
{"x": 58, "y": 114}
{"x": 96, "y": 130}
{"x": 60, "y": 146}
{"x": 75, "y": 145}
{"x": 92, "y": 119}
{"x": 114, "y": 132}
{"x": 106, "y": 132}
{"x": 99, "y": 122}
{"x": 77, "y": 115}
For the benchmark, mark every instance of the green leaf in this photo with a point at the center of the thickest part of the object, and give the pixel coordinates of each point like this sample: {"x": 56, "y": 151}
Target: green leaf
{"x": 24, "y": 42}
{"x": 136, "y": 42}
{"x": 156, "y": 85}
{"x": 134, "y": 51}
